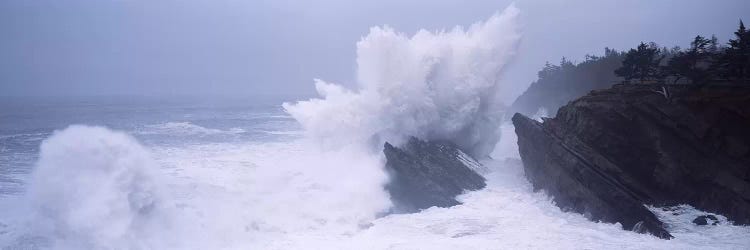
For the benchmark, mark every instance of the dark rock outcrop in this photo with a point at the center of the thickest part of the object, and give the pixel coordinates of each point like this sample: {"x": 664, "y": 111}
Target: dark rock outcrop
{"x": 611, "y": 151}
{"x": 704, "y": 219}
{"x": 425, "y": 174}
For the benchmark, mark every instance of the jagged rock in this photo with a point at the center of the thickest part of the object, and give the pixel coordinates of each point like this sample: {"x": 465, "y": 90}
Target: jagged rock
{"x": 577, "y": 183}
{"x": 703, "y": 220}
{"x": 611, "y": 151}
{"x": 425, "y": 174}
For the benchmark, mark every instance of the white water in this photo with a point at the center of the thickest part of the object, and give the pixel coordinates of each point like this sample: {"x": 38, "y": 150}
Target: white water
{"x": 434, "y": 85}
{"x": 290, "y": 195}
{"x": 96, "y": 188}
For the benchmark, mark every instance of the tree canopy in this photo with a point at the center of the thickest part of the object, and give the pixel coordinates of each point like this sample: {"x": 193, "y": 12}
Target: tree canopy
{"x": 734, "y": 62}
{"x": 560, "y": 83}
{"x": 695, "y": 63}
{"x": 706, "y": 61}
{"x": 641, "y": 63}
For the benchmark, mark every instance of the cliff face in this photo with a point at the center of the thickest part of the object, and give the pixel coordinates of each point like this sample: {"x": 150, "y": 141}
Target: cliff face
{"x": 611, "y": 151}
{"x": 425, "y": 174}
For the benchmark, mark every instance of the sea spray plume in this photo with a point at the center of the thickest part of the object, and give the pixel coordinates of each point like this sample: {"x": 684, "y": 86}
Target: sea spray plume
{"x": 92, "y": 188}
{"x": 433, "y": 85}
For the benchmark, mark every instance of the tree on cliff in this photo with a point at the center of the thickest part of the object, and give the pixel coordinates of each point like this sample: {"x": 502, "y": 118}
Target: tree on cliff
{"x": 695, "y": 63}
{"x": 642, "y": 63}
{"x": 734, "y": 62}
{"x": 560, "y": 83}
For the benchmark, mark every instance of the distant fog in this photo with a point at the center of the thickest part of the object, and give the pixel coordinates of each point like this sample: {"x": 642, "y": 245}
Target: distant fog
{"x": 246, "y": 48}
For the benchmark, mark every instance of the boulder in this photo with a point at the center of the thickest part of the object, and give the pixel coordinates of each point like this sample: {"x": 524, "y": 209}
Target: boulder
{"x": 425, "y": 174}
{"x": 704, "y": 219}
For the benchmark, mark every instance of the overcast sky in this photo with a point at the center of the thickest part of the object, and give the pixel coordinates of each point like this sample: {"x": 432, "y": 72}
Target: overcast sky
{"x": 183, "y": 47}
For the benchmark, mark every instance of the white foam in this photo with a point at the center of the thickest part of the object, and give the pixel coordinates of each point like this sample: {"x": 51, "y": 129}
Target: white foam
{"x": 295, "y": 195}
{"x": 92, "y": 187}
{"x": 433, "y": 85}
{"x": 248, "y": 197}
{"x": 540, "y": 114}
{"x": 282, "y": 132}
{"x": 509, "y": 215}
{"x": 471, "y": 163}
{"x": 264, "y": 195}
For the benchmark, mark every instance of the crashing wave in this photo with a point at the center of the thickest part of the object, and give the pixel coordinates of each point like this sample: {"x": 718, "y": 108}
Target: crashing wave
{"x": 92, "y": 187}
{"x": 433, "y": 85}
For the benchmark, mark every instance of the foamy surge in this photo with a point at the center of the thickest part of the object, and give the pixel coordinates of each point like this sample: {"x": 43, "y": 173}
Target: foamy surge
{"x": 92, "y": 187}
{"x": 96, "y": 188}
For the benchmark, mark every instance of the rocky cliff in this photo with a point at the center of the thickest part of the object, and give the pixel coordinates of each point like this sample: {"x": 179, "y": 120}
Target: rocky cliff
{"x": 425, "y": 174}
{"x": 610, "y": 152}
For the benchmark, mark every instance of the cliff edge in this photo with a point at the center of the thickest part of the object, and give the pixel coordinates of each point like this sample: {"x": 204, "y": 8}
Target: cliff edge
{"x": 609, "y": 153}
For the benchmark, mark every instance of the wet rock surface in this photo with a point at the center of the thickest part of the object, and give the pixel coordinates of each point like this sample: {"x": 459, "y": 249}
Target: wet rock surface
{"x": 705, "y": 220}
{"x": 425, "y": 174}
{"x": 606, "y": 154}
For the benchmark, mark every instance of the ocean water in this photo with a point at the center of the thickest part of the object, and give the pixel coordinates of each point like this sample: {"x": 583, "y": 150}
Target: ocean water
{"x": 25, "y": 122}
{"x": 242, "y": 175}
{"x": 298, "y": 173}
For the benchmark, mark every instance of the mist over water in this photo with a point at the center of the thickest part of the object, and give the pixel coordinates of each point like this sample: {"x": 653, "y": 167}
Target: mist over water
{"x": 310, "y": 176}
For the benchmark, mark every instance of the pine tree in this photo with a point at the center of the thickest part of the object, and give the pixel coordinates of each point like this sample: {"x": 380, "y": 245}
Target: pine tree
{"x": 694, "y": 63}
{"x": 641, "y": 63}
{"x": 734, "y": 63}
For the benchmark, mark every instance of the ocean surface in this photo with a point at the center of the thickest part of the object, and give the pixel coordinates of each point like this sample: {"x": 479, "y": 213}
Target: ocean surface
{"x": 155, "y": 122}
{"x": 241, "y": 174}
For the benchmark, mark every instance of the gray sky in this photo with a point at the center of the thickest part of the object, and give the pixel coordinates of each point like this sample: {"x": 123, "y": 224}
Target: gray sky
{"x": 220, "y": 47}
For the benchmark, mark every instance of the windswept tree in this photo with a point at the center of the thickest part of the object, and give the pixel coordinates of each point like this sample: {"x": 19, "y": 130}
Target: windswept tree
{"x": 695, "y": 63}
{"x": 734, "y": 62}
{"x": 642, "y": 63}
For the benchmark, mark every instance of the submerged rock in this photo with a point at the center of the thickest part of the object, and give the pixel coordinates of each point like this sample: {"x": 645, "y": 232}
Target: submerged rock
{"x": 704, "y": 219}
{"x": 612, "y": 151}
{"x": 425, "y": 174}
